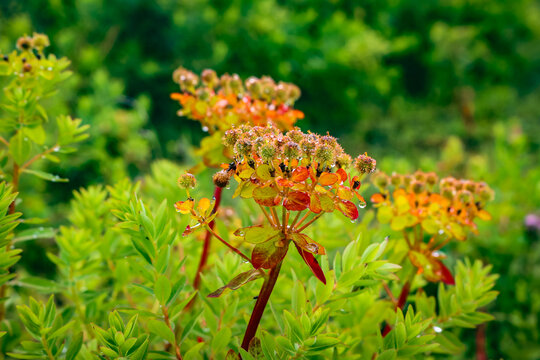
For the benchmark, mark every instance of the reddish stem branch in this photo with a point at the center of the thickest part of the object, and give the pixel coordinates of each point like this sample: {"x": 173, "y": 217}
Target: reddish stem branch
{"x": 481, "y": 353}
{"x": 402, "y": 299}
{"x": 207, "y": 240}
{"x": 260, "y": 305}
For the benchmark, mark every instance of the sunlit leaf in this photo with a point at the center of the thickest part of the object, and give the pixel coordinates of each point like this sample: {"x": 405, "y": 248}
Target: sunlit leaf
{"x": 327, "y": 179}
{"x": 347, "y": 208}
{"x": 268, "y": 254}
{"x": 300, "y": 174}
{"x": 296, "y": 201}
{"x": 257, "y": 234}
{"x": 266, "y": 196}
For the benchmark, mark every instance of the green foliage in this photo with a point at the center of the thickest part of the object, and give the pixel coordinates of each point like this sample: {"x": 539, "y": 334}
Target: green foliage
{"x": 405, "y": 78}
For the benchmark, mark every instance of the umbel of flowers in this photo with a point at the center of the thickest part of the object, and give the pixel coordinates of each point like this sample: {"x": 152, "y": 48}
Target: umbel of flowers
{"x": 294, "y": 178}
{"x": 219, "y": 103}
{"x": 430, "y": 213}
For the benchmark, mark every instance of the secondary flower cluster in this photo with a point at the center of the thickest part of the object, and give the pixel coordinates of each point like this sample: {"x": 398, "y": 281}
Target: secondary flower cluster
{"x": 444, "y": 209}
{"x": 221, "y": 102}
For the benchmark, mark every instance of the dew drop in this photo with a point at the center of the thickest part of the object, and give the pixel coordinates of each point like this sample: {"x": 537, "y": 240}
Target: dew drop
{"x": 362, "y": 205}
{"x": 205, "y": 128}
{"x": 49, "y": 68}
{"x": 312, "y": 248}
{"x": 437, "y": 329}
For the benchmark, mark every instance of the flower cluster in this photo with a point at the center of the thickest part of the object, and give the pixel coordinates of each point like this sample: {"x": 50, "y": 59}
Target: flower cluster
{"x": 221, "y": 102}
{"x": 296, "y": 172}
{"x": 444, "y": 209}
{"x": 295, "y": 178}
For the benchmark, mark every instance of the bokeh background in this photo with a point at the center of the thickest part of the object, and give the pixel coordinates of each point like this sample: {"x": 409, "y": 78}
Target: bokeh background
{"x": 451, "y": 86}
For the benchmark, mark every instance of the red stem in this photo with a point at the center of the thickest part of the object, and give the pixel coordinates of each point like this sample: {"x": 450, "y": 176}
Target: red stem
{"x": 258, "y": 310}
{"x": 207, "y": 240}
{"x": 481, "y": 353}
{"x": 402, "y": 299}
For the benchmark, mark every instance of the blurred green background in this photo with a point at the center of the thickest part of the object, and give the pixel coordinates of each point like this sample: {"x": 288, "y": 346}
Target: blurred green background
{"x": 452, "y": 86}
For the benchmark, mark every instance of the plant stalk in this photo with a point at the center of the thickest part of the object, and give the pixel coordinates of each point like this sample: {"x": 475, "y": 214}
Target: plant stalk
{"x": 260, "y": 305}
{"x": 207, "y": 241}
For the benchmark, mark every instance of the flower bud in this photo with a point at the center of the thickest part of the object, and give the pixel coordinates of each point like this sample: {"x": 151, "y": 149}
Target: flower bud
{"x": 381, "y": 180}
{"x": 431, "y": 179}
{"x": 24, "y": 43}
{"x": 267, "y": 151}
{"x": 344, "y": 161}
{"x": 282, "y": 93}
{"x": 209, "y": 78}
{"x": 447, "y": 182}
{"x": 324, "y": 154}
{"x": 407, "y": 180}
{"x": 254, "y": 87}
{"x": 187, "y": 181}
{"x": 221, "y": 178}
{"x": 291, "y": 150}
{"x": 396, "y": 179}
{"x": 420, "y": 176}
{"x": 418, "y": 186}
{"x": 365, "y": 164}
{"x": 236, "y": 85}
{"x": 465, "y": 196}
{"x": 448, "y": 192}
{"x": 231, "y": 137}
{"x": 295, "y": 135}
{"x": 40, "y": 41}
{"x": 268, "y": 88}
{"x": 484, "y": 192}
{"x": 294, "y": 93}
{"x": 243, "y": 147}
{"x": 469, "y": 186}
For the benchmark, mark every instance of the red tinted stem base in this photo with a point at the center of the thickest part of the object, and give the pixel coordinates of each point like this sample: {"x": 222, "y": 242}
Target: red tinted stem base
{"x": 260, "y": 305}
{"x": 399, "y": 305}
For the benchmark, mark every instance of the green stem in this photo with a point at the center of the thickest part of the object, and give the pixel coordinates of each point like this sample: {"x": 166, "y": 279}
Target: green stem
{"x": 46, "y": 347}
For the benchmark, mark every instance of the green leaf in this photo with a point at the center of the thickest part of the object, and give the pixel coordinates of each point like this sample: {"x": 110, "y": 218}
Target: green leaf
{"x": 221, "y": 339}
{"x": 40, "y": 284}
{"x": 189, "y": 325}
{"x": 162, "y": 289}
{"x": 195, "y": 352}
{"x": 160, "y": 329}
{"x": 268, "y": 254}
{"x": 20, "y": 148}
{"x": 45, "y": 176}
{"x": 74, "y": 346}
{"x": 37, "y": 233}
{"x": 257, "y": 234}
{"x": 237, "y": 282}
